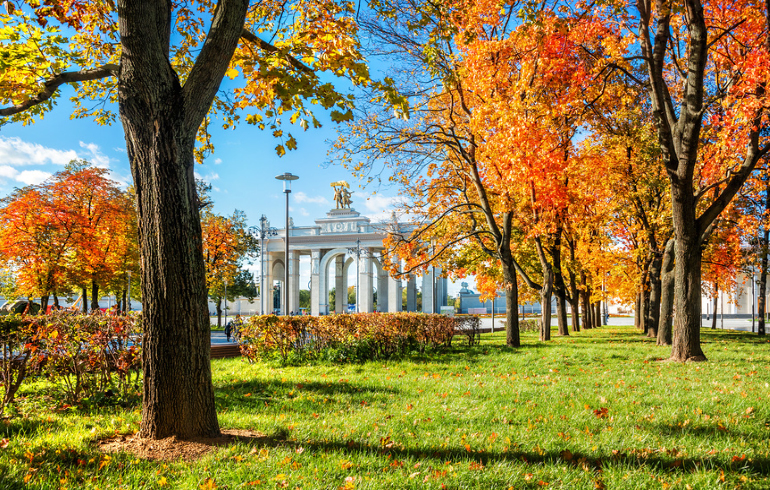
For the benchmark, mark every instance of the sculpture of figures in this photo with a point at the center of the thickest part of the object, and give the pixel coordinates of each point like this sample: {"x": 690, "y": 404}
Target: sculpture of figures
{"x": 346, "y": 201}
{"x": 341, "y": 194}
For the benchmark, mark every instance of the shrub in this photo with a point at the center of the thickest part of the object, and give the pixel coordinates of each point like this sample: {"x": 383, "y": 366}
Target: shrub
{"x": 344, "y": 338}
{"x": 16, "y": 342}
{"x": 89, "y": 354}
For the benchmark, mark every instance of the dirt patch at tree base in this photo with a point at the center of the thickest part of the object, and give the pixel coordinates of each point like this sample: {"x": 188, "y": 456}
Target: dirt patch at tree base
{"x": 173, "y": 449}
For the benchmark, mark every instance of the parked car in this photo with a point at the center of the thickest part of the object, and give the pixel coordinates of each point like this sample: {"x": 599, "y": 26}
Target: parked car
{"x": 18, "y": 307}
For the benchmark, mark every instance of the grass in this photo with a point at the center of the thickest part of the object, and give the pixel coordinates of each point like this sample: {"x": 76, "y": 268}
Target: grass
{"x": 593, "y": 410}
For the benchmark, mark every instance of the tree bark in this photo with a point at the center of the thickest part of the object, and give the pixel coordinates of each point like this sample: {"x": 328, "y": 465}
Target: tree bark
{"x": 638, "y": 311}
{"x": 716, "y": 305}
{"x": 55, "y": 300}
{"x": 585, "y": 296}
{"x": 512, "y": 331}
{"x": 84, "y": 295}
{"x": 44, "y": 304}
{"x": 763, "y": 262}
{"x": 598, "y": 314}
{"x": 545, "y": 292}
{"x": 666, "y": 319}
{"x": 559, "y": 288}
{"x": 655, "y": 285}
{"x": 94, "y": 296}
{"x": 160, "y": 120}
{"x": 125, "y": 302}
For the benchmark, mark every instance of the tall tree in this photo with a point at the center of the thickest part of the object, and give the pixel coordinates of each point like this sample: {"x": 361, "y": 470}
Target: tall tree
{"x": 162, "y": 62}
{"x": 704, "y": 57}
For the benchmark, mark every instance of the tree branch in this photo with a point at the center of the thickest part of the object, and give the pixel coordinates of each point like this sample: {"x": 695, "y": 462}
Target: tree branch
{"x": 266, "y": 46}
{"x": 52, "y": 84}
{"x": 214, "y": 58}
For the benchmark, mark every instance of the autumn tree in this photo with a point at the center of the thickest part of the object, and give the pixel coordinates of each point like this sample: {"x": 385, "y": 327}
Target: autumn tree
{"x": 707, "y": 69}
{"x": 227, "y": 243}
{"x": 162, "y": 64}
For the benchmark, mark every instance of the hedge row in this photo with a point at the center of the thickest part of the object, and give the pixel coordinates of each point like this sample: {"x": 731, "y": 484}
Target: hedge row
{"x": 86, "y": 355}
{"x": 348, "y": 337}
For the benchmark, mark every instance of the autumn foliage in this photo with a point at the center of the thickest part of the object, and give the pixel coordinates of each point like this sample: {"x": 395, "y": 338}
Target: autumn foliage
{"x": 343, "y": 338}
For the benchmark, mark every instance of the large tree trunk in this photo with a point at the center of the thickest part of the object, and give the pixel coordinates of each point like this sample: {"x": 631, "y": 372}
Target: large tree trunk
{"x": 160, "y": 120}
{"x": 124, "y": 303}
{"x": 94, "y": 296}
{"x": 512, "y": 333}
{"x": 44, "y": 304}
{"x": 763, "y": 264}
{"x": 687, "y": 277}
{"x": 559, "y": 288}
{"x": 84, "y": 295}
{"x": 55, "y": 300}
{"x": 655, "y": 285}
{"x": 666, "y": 320}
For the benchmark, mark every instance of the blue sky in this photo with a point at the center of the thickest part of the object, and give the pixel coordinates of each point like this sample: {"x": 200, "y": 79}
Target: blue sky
{"x": 241, "y": 171}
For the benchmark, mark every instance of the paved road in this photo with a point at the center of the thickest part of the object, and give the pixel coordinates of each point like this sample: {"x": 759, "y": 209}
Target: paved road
{"x": 728, "y": 324}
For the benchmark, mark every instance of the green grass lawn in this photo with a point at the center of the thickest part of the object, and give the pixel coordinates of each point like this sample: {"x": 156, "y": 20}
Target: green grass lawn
{"x": 593, "y": 410}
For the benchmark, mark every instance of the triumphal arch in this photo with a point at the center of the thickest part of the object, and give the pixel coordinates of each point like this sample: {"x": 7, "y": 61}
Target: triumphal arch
{"x": 341, "y": 240}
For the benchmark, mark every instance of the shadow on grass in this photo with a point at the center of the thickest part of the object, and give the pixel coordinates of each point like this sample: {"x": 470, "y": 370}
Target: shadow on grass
{"x": 639, "y": 458}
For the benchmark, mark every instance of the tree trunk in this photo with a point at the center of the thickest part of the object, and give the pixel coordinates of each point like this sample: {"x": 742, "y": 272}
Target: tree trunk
{"x": 512, "y": 333}
{"x": 44, "y": 304}
{"x": 585, "y": 296}
{"x": 94, "y": 296}
{"x": 655, "y": 285}
{"x": 638, "y": 311}
{"x": 687, "y": 277}
{"x": 55, "y": 300}
{"x": 598, "y": 314}
{"x": 84, "y": 295}
{"x": 645, "y": 295}
{"x": 545, "y": 301}
{"x": 666, "y": 319}
{"x": 763, "y": 264}
{"x": 574, "y": 301}
{"x": 716, "y": 305}
{"x": 160, "y": 120}
{"x": 125, "y": 301}
{"x": 219, "y": 311}
{"x": 559, "y": 288}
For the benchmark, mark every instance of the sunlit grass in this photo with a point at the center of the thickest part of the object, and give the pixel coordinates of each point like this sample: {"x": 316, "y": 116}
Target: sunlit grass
{"x": 593, "y": 410}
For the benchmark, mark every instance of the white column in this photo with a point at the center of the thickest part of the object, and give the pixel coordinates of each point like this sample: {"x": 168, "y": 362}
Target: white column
{"x": 268, "y": 286}
{"x": 315, "y": 283}
{"x": 340, "y": 287}
{"x": 411, "y": 293}
{"x": 394, "y": 295}
{"x": 295, "y": 286}
{"x": 427, "y": 292}
{"x": 382, "y": 290}
{"x": 364, "y": 297}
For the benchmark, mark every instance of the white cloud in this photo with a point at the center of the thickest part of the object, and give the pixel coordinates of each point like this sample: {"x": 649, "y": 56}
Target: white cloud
{"x": 95, "y": 155}
{"x": 8, "y": 171}
{"x": 377, "y": 207}
{"x": 211, "y": 176}
{"x": 302, "y": 197}
{"x": 304, "y": 212}
{"x": 218, "y": 161}
{"x": 31, "y": 177}
{"x": 17, "y": 152}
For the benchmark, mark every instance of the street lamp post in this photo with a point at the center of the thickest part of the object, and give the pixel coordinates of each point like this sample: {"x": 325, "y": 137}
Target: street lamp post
{"x": 286, "y": 177}
{"x": 264, "y": 231}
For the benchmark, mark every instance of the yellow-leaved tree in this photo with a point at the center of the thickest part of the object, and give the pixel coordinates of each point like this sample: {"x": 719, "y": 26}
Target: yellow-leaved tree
{"x": 161, "y": 63}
